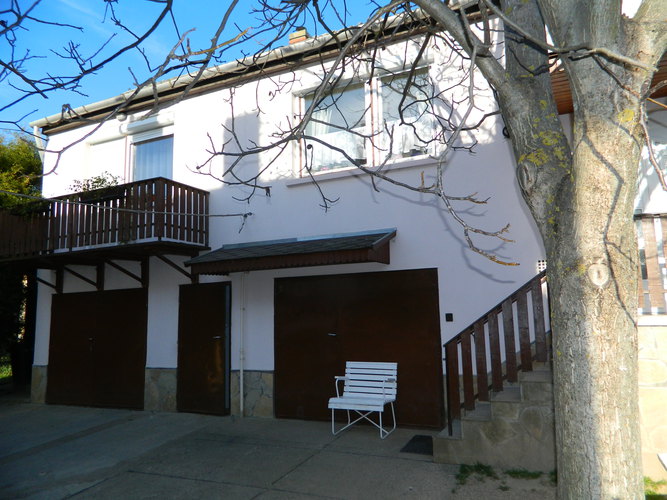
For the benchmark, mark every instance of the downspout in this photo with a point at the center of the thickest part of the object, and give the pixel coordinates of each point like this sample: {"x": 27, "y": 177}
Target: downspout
{"x": 242, "y": 346}
{"x": 41, "y": 146}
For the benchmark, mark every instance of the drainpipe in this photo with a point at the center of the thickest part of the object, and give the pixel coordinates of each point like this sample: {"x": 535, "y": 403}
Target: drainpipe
{"x": 242, "y": 346}
{"x": 37, "y": 134}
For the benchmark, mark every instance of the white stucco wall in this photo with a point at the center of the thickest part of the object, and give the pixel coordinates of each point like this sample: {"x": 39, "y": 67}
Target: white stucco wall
{"x": 427, "y": 236}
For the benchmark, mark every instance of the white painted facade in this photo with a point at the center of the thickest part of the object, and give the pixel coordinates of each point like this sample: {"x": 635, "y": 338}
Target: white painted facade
{"x": 427, "y": 237}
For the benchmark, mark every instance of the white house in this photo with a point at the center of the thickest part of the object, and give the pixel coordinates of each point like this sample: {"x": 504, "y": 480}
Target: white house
{"x": 174, "y": 291}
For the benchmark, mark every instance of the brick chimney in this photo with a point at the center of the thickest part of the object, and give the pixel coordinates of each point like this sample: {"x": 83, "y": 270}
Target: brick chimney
{"x": 299, "y": 35}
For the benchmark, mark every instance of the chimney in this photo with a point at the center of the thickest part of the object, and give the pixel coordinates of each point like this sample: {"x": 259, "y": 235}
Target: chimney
{"x": 299, "y": 35}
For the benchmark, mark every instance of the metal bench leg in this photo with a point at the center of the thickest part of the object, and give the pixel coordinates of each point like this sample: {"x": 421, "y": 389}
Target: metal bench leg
{"x": 383, "y": 432}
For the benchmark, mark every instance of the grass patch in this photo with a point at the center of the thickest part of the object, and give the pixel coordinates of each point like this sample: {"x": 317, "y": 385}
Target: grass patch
{"x": 523, "y": 474}
{"x": 5, "y": 370}
{"x": 653, "y": 489}
{"x": 480, "y": 471}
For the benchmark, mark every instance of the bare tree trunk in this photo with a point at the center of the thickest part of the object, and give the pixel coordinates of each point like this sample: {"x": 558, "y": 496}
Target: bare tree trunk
{"x": 592, "y": 276}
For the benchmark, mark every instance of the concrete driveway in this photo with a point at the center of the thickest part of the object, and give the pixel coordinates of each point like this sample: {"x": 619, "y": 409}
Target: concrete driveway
{"x": 54, "y": 452}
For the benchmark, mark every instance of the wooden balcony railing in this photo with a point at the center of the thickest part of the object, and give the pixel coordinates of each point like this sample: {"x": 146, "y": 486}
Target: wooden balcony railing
{"x": 489, "y": 347}
{"x": 152, "y": 210}
{"x": 652, "y": 243}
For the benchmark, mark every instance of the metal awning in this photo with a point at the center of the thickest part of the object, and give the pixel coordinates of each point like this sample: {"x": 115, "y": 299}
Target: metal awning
{"x": 349, "y": 248}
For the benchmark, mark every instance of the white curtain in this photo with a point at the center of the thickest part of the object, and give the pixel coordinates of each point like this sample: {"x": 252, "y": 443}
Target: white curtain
{"x": 409, "y": 138}
{"x": 153, "y": 158}
{"x": 335, "y": 116}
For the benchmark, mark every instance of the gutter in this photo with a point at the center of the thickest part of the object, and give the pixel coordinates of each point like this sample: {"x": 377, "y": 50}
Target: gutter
{"x": 276, "y": 60}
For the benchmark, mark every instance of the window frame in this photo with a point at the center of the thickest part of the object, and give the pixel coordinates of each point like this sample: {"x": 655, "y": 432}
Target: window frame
{"x": 145, "y": 138}
{"x": 375, "y": 149}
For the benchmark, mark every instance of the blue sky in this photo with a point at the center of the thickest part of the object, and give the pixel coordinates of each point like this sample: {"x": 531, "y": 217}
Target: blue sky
{"x": 42, "y": 41}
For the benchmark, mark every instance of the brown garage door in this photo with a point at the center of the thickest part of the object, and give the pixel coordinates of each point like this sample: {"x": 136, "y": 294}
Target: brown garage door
{"x": 203, "y": 348}
{"x": 97, "y": 349}
{"x": 323, "y": 321}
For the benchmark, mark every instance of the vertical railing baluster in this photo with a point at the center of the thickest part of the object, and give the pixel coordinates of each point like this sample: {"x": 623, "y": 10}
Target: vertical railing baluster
{"x": 466, "y": 362}
{"x": 480, "y": 362}
{"x": 524, "y": 331}
{"x": 494, "y": 348}
{"x": 453, "y": 389}
{"x": 510, "y": 344}
{"x": 538, "y": 322}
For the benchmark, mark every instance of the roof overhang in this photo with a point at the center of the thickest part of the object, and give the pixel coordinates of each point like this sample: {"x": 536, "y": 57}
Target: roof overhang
{"x": 349, "y": 248}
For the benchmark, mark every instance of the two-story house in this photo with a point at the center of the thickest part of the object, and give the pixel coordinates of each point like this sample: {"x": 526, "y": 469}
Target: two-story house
{"x": 176, "y": 291}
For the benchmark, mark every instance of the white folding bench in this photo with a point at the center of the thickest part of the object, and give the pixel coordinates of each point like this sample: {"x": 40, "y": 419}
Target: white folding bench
{"x": 369, "y": 387}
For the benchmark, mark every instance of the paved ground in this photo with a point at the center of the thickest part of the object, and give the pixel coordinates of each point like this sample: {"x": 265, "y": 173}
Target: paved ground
{"x": 54, "y": 452}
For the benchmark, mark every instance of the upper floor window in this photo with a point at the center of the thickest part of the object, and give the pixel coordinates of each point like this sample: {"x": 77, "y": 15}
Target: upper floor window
{"x": 368, "y": 124}
{"x": 406, "y": 120}
{"x": 153, "y": 158}
{"x": 339, "y": 122}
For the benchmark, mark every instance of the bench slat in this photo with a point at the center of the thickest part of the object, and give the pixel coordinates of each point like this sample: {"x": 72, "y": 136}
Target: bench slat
{"x": 371, "y": 364}
{"x": 374, "y": 379}
{"x": 370, "y": 370}
{"x": 369, "y": 388}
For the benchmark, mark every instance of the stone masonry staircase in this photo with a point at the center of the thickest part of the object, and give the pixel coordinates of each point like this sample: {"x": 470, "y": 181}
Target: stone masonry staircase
{"x": 514, "y": 430}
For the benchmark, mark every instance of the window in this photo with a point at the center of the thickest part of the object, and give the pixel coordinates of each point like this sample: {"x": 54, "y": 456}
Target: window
{"x": 405, "y": 114}
{"x": 338, "y": 122}
{"x": 153, "y": 158}
{"x": 369, "y": 123}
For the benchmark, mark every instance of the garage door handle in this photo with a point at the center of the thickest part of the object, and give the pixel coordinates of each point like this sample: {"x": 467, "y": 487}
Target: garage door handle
{"x": 217, "y": 337}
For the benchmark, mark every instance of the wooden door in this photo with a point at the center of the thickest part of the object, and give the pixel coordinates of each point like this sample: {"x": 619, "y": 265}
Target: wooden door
{"x": 323, "y": 321}
{"x": 203, "y": 348}
{"x": 97, "y": 349}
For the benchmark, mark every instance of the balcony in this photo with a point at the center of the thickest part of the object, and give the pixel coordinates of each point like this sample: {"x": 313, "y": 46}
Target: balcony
{"x": 132, "y": 221}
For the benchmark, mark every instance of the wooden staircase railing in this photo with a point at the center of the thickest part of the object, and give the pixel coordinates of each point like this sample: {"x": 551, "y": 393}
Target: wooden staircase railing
{"x": 489, "y": 346}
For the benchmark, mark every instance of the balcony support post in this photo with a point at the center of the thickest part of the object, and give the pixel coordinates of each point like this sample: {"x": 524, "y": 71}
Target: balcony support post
{"x": 58, "y": 286}
{"x": 192, "y": 277}
{"x": 95, "y": 283}
{"x": 120, "y": 268}
{"x": 100, "y": 276}
{"x": 145, "y": 271}
{"x": 60, "y": 280}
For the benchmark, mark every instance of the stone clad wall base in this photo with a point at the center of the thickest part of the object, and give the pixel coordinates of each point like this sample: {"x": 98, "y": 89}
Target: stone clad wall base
{"x": 258, "y": 389}
{"x": 653, "y": 398}
{"x": 38, "y": 384}
{"x": 514, "y": 430}
{"x": 160, "y": 389}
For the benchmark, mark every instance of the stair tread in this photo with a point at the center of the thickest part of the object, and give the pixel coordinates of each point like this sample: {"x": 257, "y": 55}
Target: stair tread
{"x": 482, "y": 411}
{"x": 508, "y": 394}
{"x": 456, "y": 431}
{"x": 536, "y": 376}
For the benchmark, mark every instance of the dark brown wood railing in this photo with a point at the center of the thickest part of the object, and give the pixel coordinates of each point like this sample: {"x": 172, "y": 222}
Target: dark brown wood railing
{"x": 476, "y": 353}
{"x": 150, "y": 210}
{"x": 489, "y": 347}
{"x": 652, "y": 244}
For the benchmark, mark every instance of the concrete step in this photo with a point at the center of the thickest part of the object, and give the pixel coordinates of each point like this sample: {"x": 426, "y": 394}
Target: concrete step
{"x": 524, "y": 443}
{"x": 481, "y": 412}
{"x": 456, "y": 431}
{"x": 509, "y": 393}
{"x": 536, "y": 376}
{"x": 537, "y": 392}
{"x": 541, "y": 365}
